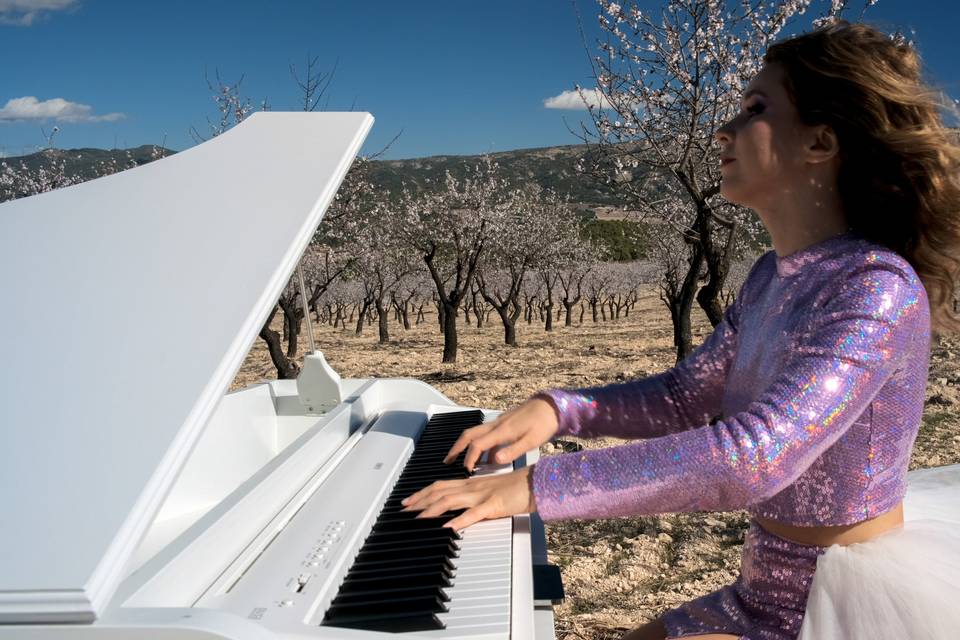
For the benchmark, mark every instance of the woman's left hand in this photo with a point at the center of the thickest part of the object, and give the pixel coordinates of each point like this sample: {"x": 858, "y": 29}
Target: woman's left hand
{"x": 484, "y": 497}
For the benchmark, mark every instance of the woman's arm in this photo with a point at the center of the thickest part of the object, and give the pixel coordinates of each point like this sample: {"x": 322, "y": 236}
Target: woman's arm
{"x": 683, "y": 397}
{"x": 843, "y": 357}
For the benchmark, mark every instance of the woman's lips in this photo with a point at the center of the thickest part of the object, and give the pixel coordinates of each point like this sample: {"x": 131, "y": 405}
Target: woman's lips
{"x": 725, "y": 161}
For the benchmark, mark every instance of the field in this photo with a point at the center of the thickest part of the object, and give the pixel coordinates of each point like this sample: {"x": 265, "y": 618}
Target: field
{"x": 617, "y": 573}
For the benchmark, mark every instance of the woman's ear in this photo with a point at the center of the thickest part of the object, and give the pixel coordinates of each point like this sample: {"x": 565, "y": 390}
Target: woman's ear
{"x": 821, "y": 143}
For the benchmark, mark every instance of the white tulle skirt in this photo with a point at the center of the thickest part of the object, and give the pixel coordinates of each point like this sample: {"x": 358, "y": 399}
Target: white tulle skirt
{"x": 902, "y": 584}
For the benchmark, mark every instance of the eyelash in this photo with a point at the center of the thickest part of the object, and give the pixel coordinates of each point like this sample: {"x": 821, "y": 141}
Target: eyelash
{"x": 755, "y": 108}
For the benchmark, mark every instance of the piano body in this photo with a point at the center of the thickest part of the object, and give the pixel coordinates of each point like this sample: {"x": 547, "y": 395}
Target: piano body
{"x": 139, "y": 500}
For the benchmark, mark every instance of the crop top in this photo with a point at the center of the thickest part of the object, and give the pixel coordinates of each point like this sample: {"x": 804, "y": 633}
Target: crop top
{"x": 802, "y": 406}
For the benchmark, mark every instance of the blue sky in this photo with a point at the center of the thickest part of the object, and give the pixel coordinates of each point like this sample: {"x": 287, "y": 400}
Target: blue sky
{"x": 456, "y": 77}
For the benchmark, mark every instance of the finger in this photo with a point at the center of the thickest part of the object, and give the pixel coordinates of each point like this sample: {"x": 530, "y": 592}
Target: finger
{"x": 465, "y": 438}
{"x": 513, "y": 451}
{"x": 481, "y": 444}
{"x": 448, "y": 502}
{"x": 470, "y": 516}
{"x": 414, "y": 498}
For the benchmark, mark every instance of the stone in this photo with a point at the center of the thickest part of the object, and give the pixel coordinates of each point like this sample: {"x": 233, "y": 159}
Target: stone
{"x": 664, "y": 537}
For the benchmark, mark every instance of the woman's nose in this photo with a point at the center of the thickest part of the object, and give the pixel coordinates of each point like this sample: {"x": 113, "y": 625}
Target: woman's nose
{"x": 724, "y": 134}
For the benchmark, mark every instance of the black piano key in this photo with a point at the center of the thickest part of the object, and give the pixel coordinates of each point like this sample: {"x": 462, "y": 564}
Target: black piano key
{"x": 415, "y": 551}
{"x": 397, "y": 513}
{"x": 440, "y": 568}
{"x": 396, "y": 623}
{"x": 373, "y": 595}
{"x": 396, "y": 581}
{"x": 393, "y": 544}
{"x": 417, "y": 524}
{"x": 437, "y": 559}
{"x": 429, "y": 604}
{"x": 420, "y": 578}
{"x": 392, "y": 536}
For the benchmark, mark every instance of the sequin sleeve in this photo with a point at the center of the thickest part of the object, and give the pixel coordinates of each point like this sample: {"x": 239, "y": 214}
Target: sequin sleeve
{"x": 844, "y": 351}
{"x": 683, "y": 397}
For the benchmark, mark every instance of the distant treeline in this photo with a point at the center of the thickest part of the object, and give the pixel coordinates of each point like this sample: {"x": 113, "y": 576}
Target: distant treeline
{"x": 623, "y": 239}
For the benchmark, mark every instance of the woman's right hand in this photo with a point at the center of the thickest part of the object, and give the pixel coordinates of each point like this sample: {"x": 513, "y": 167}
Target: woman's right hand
{"x": 512, "y": 434}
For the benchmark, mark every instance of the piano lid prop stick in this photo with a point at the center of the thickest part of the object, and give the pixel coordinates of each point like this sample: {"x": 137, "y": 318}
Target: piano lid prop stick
{"x": 306, "y": 309}
{"x": 318, "y": 385}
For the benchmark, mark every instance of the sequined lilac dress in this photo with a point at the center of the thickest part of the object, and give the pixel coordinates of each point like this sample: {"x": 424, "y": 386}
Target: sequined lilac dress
{"x": 802, "y": 407}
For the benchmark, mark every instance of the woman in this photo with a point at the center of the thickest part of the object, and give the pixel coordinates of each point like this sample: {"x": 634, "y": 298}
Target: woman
{"x": 817, "y": 370}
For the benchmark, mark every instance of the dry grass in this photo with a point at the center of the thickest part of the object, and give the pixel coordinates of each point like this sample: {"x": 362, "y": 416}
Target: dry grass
{"x": 617, "y": 573}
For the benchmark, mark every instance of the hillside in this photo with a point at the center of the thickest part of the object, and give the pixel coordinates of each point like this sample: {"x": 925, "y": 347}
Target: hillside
{"x": 550, "y": 167}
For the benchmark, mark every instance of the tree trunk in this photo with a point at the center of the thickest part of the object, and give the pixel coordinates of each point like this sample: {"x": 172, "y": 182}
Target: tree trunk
{"x": 361, "y": 316}
{"x": 382, "y": 312}
{"x": 292, "y": 317}
{"x": 718, "y": 266}
{"x": 681, "y": 305}
{"x": 449, "y": 333}
{"x": 286, "y": 369}
{"x": 509, "y": 326}
{"x": 568, "y": 307}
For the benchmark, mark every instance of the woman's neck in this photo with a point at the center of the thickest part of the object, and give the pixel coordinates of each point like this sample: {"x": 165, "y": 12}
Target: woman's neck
{"x": 804, "y": 217}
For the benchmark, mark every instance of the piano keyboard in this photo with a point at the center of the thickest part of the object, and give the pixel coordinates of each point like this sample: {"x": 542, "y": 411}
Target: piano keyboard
{"x": 414, "y": 574}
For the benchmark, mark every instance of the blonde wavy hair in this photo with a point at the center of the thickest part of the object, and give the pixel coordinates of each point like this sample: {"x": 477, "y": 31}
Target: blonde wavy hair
{"x": 899, "y": 177}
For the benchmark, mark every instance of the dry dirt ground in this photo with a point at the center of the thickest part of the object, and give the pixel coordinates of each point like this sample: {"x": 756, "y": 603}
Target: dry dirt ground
{"x": 617, "y": 573}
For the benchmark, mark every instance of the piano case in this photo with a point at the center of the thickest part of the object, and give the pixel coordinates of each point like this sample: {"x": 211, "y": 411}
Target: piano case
{"x": 132, "y": 301}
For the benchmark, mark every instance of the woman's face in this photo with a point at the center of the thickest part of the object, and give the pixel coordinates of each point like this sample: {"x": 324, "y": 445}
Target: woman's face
{"x": 760, "y": 148}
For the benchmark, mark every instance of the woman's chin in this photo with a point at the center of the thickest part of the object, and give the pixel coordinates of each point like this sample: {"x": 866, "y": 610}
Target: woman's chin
{"x": 730, "y": 193}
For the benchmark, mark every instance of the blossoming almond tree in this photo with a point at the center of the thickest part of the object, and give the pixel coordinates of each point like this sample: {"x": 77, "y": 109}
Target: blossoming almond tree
{"x": 450, "y": 228}
{"x": 538, "y": 230}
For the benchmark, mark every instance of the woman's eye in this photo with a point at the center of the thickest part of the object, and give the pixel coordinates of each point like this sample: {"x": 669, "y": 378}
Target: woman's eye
{"x": 755, "y": 108}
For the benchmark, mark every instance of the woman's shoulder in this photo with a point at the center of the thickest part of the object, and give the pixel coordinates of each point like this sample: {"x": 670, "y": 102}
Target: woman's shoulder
{"x": 877, "y": 277}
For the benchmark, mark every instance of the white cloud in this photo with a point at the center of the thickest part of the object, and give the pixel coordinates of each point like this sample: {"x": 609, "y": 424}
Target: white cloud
{"x": 23, "y": 13}
{"x": 573, "y": 100}
{"x": 29, "y": 108}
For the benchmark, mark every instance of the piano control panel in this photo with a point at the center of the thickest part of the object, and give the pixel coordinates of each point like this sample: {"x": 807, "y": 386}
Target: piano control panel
{"x": 326, "y": 546}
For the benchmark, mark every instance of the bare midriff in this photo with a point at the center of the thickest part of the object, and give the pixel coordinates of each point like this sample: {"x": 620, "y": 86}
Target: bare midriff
{"x": 842, "y": 534}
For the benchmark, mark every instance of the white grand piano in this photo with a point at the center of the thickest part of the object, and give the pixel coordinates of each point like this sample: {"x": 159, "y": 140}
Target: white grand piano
{"x": 139, "y": 500}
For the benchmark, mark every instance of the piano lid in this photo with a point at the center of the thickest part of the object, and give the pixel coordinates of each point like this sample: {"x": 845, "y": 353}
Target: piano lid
{"x": 129, "y": 304}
